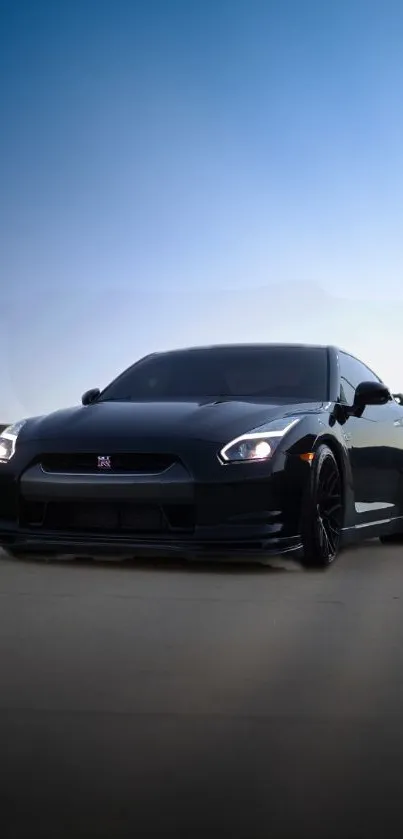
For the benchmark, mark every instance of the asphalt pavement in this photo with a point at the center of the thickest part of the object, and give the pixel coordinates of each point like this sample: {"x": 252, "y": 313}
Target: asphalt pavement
{"x": 160, "y": 700}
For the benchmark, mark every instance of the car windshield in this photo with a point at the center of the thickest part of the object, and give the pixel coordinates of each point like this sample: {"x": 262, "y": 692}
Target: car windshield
{"x": 249, "y": 372}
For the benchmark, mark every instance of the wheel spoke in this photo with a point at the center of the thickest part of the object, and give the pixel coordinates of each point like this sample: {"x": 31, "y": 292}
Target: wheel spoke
{"x": 329, "y": 509}
{"x": 331, "y": 483}
{"x": 327, "y": 544}
{"x": 334, "y": 530}
{"x": 334, "y": 521}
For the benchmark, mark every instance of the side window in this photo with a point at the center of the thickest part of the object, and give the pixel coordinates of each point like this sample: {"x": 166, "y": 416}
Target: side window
{"x": 352, "y": 373}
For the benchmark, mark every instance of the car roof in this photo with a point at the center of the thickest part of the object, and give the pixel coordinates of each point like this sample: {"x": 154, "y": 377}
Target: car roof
{"x": 242, "y": 346}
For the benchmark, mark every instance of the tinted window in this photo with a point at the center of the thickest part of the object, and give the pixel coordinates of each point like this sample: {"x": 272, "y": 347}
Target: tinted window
{"x": 294, "y": 373}
{"x": 352, "y": 373}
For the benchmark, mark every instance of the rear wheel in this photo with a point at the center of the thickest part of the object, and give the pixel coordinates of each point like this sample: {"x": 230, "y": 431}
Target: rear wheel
{"x": 22, "y": 555}
{"x": 392, "y": 539}
{"x": 322, "y": 511}
{"x": 13, "y": 554}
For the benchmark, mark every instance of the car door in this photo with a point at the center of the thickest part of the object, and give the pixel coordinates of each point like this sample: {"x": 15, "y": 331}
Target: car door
{"x": 395, "y": 414}
{"x": 375, "y": 445}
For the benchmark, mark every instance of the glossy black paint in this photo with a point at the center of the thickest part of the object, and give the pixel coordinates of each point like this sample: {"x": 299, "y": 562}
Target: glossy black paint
{"x": 178, "y": 497}
{"x": 90, "y": 396}
{"x": 370, "y": 393}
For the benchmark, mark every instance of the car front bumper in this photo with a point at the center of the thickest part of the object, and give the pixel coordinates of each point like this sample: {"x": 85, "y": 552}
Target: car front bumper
{"x": 194, "y": 549}
{"x": 235, "y": 512}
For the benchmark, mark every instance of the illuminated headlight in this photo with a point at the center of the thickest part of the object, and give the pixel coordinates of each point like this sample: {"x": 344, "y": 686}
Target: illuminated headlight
{"x": 8, "y": 440}
{"x": 258, "y": 444}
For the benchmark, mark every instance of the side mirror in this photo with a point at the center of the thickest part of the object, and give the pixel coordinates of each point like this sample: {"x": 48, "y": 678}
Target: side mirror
{"x": 398, "y": 397}
{"x": 371, "y": 393}
{"x": 90, "y": 396}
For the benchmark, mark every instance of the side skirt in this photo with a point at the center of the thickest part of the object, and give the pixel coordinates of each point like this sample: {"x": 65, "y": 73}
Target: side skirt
{"x": 372, "y": 530}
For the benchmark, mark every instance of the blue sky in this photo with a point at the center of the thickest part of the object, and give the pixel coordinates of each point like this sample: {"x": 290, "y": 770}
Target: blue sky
{"x": 179, "y": 171}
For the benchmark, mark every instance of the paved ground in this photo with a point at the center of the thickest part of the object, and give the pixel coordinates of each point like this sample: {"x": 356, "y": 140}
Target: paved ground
{"x": 186, "y": 701}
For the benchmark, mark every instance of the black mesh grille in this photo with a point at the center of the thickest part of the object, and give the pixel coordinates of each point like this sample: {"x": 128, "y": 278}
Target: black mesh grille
{"x": 115, "y": 518}
{"x": 120, "y": 462}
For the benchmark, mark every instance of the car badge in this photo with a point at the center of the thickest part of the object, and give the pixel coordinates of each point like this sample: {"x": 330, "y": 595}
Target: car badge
{"x": 104, "y": 462}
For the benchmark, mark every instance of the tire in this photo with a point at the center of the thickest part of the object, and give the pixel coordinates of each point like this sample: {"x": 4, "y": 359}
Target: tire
{"x": 21, "y": 555}
{"x": 12, "y": 554}
{"x": 392, "y": 539}
{"x": 322, "y": 512}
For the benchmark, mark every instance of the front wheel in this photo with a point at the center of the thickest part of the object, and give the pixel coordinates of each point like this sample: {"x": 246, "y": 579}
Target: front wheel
{"x": 322, "y": 511}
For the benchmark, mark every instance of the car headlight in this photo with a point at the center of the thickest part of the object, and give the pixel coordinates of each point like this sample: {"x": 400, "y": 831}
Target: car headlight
{"x": 8, "y": 440}
{"x": 258, "y": 444}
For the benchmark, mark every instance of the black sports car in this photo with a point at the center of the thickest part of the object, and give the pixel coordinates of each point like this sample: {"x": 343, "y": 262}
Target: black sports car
{"x": 240, "y": 451}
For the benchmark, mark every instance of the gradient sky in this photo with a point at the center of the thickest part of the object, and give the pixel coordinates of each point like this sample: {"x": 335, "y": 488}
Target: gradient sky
{"x": 188, "y": 171}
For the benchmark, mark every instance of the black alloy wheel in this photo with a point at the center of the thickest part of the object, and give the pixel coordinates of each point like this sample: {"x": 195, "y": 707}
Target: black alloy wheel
{"x": 322, "y": 513}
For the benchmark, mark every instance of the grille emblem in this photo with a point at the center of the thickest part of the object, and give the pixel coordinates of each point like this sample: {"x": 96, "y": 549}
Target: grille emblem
{"x": 104, "y": 462}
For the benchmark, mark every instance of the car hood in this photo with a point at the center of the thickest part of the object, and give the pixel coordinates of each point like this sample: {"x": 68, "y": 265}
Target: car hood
{"x": 123, "y": 421}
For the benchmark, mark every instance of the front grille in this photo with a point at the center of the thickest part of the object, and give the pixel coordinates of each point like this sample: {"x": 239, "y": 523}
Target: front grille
{"x": 113, "y": 518}
{"x": 77, "y": 463}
